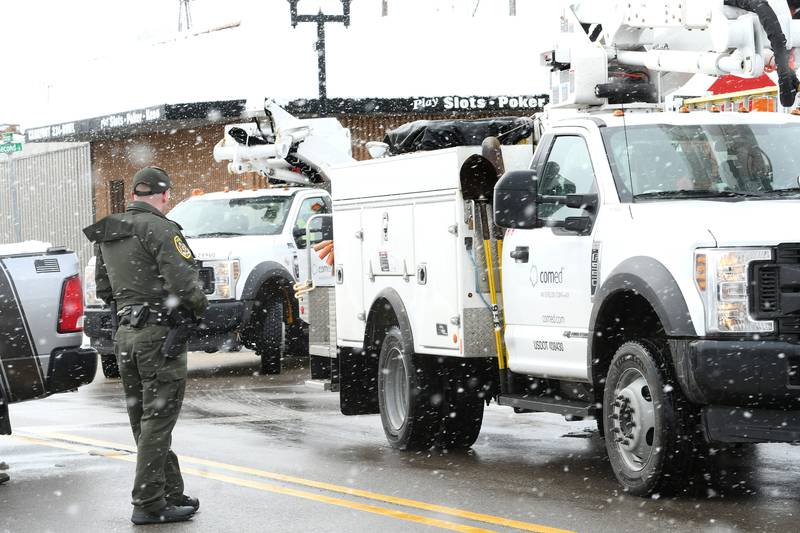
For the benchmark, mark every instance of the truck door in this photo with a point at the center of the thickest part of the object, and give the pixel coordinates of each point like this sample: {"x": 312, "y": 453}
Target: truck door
{"x": 309, "y": 264}
{"x": 349, "y": 275}
{"x": 547, "y": 272}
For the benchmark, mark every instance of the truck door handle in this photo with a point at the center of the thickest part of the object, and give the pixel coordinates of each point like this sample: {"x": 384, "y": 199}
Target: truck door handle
{"x": 520, "y": 254}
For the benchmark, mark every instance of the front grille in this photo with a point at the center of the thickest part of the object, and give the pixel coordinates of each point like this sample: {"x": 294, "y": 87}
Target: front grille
{"x": 46, "y": 266}
{"x": 776, "y": 290}
{"x": 794, "y": 371}
{"x": 789, "y": 254}
{"x": 767, "y": 297}
{"x": 789, "y": 325}
{"x": 206, "y": 275}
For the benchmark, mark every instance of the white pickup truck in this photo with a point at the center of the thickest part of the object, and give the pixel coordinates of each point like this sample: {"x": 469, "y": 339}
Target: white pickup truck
{"x": 249, "y": 241}
{"x": 41, "y": 311}
{"x": 247, "y": 244}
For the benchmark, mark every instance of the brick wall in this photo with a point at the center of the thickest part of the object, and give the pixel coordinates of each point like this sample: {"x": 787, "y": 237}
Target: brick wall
{"x": 186, "y": 155}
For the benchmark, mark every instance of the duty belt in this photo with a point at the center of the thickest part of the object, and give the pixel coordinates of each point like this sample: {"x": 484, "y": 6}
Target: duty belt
{"x": 127, "y": 316}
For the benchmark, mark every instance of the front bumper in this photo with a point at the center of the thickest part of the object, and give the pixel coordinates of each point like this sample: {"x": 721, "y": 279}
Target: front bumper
{"x": 749, "y": 389}
{"x": 744, "y": 373}
{"x": 736, "y": 424}
{"x": 218, "y": 321}
{"x": 70, "y": 368}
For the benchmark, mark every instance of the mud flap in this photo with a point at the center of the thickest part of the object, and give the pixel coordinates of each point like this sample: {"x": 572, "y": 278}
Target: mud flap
{"x": 358, "y": 378}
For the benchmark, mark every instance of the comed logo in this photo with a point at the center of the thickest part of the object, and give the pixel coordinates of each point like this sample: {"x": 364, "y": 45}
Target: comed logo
{"x": 547, "y": 277}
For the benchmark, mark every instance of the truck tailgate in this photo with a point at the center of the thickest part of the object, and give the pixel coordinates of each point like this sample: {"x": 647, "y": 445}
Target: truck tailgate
{"x": 30, "y": 298}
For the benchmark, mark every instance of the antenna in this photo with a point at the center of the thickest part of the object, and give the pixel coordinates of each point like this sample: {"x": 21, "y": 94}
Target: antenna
{"x": 184, "y": 15}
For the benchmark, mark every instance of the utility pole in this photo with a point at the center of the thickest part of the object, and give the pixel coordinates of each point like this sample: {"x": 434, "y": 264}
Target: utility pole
{"x": 385, "y": 8}
{"x": 184, "y": 15}
{"x": 321, "y": 19}
{"x": 512, "y": 8}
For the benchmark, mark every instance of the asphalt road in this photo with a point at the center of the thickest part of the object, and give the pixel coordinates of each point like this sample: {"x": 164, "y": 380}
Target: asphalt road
{"x": 268, "y": 453}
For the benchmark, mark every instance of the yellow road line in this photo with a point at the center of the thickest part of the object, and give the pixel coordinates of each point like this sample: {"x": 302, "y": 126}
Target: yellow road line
{"x": 405, "y": 502}
{"x": 267, "y": 487}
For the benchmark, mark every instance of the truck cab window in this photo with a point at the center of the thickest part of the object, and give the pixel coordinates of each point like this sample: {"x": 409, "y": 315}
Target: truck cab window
{"x": 568, "y": 170}
{"x": 309, "y": 208}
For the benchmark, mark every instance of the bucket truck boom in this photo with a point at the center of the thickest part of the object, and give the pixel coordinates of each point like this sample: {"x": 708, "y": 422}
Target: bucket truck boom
{"x": 609, "y": 51}
{"x": 284, "y": 148}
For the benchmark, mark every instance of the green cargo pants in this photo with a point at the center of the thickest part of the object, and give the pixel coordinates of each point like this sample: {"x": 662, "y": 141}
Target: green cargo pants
{"x": 154, "y": 388}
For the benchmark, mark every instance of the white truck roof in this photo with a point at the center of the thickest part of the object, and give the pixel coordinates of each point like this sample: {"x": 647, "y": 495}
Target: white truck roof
{"x": 249, "y": 193}
{"x": 641, "y": 116}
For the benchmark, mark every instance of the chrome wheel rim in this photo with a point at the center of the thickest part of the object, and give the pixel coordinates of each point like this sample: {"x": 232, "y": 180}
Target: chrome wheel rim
{"x": 633, "y": 419}
{"x": 396, "y": 389}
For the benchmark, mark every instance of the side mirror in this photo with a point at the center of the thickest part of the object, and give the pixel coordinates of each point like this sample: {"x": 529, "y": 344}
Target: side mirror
{"x": 299, "y": 235}
{"x": 319, "y": 228}
{"x": 515, "y": 200}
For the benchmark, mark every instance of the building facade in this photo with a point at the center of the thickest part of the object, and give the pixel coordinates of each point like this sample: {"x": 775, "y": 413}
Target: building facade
{"x": 180, "y": 138}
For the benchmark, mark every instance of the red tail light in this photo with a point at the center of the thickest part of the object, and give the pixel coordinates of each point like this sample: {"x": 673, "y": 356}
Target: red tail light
{"x": 70, "y": 317}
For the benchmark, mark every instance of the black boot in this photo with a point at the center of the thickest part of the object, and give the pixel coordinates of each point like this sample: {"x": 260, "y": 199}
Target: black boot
{"x": 168, "y": 513}
{"x": 184, "y": 501}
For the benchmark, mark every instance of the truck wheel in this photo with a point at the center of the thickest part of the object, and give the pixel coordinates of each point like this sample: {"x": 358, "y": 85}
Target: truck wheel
{"x": 109, "y": 364}
{"x": 647, "y": 421}
{"x": 407, "y": 397}
{"x": 297, "y": 340}
{"x": 270, "y": 336}
{"x": 462, "y": 422}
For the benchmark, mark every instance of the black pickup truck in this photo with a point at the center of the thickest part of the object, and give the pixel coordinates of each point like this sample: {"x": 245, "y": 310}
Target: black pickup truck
{"x": 41, "y": 318}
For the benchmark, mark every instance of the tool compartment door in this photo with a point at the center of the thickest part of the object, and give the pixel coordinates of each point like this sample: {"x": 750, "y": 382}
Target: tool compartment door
{"x": 349, "y": 276}
{"x": 436, "y": 273}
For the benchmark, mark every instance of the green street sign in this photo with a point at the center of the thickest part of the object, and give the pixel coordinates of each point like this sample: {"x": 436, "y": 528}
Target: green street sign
{"x": 9, "y": 148}
{"x": 7, "y": 138}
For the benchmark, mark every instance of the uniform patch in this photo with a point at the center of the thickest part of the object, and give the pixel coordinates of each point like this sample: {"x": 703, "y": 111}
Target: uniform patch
{"x": 182, "y": 248}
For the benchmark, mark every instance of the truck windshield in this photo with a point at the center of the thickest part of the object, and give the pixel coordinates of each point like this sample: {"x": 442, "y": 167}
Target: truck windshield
{"x": 263, "y": 215}
{"x": 704, "y": 161}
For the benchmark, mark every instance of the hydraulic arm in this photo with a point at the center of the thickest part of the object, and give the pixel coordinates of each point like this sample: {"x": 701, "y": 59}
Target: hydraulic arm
{"x": 621, "y": 51}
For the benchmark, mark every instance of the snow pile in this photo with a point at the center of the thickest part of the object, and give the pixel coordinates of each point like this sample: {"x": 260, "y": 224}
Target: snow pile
{"x": 26, "y": 247}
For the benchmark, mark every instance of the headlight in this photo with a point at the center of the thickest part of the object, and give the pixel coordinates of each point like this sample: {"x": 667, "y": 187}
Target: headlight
{"x": 226, "y": 274}
{"x": 90, "y": 298}
{"x": 722, "y": 277}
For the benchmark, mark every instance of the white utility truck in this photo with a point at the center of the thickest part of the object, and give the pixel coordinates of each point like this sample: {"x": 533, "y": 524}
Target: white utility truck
{"x": 249, "y": 241}
{"x": 650, "y": 265}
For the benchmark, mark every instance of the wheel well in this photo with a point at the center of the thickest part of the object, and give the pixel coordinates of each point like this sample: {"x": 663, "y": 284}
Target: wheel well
{"x": 382, "y": 316}
{"x": 624, "y": 316}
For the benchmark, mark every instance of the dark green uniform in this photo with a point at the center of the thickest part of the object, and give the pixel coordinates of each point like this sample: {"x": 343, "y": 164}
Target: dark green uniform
{"x": 142, "y": 258}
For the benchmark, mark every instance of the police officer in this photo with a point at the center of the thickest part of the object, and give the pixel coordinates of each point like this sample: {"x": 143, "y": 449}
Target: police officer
{"x": 146, "y": 271}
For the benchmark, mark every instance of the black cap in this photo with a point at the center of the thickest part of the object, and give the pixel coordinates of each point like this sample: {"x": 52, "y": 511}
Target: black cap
{"x": 156, "y": 179}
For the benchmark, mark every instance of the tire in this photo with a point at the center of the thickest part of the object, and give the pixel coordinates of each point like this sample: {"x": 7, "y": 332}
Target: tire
{"x": 269, "y": 339}
{"x": 110, "y": 367}
{"x": 649, "y": 426}
{"x": 297, "y": 340}
{"x": 408, "y": 398}
{"x": 462, "y": 422}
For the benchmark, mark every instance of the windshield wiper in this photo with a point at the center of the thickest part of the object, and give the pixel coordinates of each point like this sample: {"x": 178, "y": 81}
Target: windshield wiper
{"x": 695, "y": 194}
{"x": 215, "y": 234}
{"x": 788, "y": 191}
